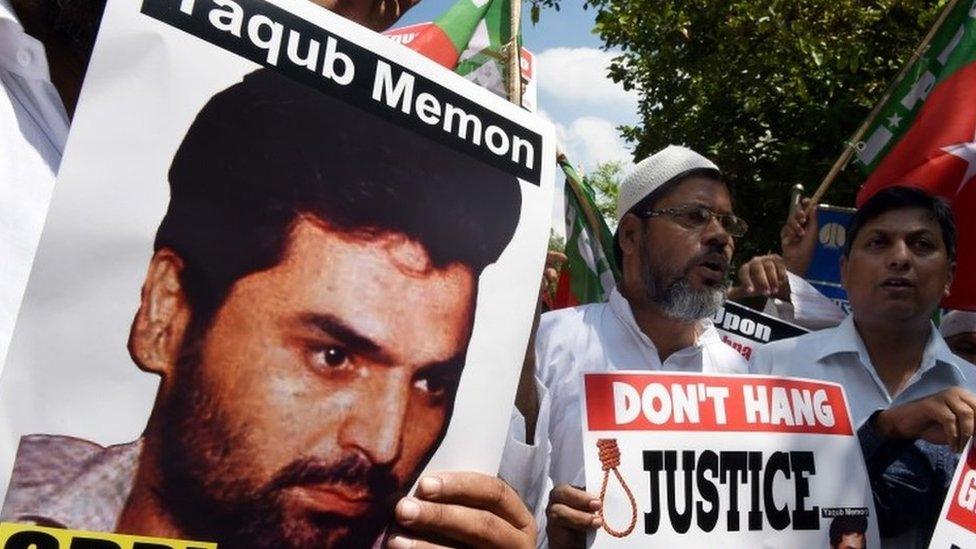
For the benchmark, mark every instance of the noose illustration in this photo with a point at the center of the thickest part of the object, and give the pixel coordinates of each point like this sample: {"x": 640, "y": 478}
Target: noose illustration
{"x": 610, "y": 458}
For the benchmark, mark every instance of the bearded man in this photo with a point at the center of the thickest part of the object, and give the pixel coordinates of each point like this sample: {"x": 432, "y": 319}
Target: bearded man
{"x": 45, "y": 46}
{"x": 674, "y": 242}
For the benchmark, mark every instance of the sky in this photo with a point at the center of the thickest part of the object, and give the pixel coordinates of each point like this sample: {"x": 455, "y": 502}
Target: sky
{"x": 575, "y": 93}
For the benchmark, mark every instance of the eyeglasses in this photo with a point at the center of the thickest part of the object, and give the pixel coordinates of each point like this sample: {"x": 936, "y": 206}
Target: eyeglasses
{"x": 696, "y": 216}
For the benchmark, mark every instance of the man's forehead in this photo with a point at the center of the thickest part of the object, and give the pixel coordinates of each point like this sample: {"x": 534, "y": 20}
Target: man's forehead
{"x": 698, "y": 189}
{"x": 405, "y": 253}
{"x": 903, "y": 221}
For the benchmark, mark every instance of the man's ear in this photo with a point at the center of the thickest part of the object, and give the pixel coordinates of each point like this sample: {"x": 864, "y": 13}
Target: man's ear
{"x": 156, "y": 337}
{"x": 950, "y": 277}
{"x": 843, "y": 271}
{"x": 630, "y": 231}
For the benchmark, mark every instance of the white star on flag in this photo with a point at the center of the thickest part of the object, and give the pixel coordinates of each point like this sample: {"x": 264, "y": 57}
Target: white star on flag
{"x": 894, "y": 120}
{"x": 967, "y": 152}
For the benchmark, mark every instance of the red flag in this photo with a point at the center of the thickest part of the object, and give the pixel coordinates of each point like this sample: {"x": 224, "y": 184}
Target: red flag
{"x": 929, "y": 140}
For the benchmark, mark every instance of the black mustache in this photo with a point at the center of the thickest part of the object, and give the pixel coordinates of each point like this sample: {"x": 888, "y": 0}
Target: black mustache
{"x": 353, "y": 470}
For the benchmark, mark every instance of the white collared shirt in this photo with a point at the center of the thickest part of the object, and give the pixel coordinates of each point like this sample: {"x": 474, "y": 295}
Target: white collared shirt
{"x": 33, "y": 131}
{"x": 599, "y": 337}
{"x": 839, "y": 355}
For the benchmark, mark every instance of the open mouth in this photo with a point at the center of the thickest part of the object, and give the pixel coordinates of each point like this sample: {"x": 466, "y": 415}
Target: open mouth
{"x": 714, "y": 267}
{"x": 896, "y": 283}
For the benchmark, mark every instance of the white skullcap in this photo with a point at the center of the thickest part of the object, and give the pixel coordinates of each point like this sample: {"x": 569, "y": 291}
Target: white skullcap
{"x": 958, "y": 322}
{"x": 656, "y": 170}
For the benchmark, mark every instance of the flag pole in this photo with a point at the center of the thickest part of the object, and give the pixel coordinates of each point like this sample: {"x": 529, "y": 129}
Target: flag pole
{"x": 851, "y": 145}
{"x": 515, "y": 96}
{"x": 515, "y": 53}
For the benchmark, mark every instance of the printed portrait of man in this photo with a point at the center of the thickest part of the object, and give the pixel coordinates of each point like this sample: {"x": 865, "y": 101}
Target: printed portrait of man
{"x": 308, "y": 309}
{"x": 848, "y": 532}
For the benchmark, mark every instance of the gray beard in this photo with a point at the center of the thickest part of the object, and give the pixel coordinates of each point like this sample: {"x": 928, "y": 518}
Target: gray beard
{"x": 681, "y": 302}
{"x": 678, "y": 300}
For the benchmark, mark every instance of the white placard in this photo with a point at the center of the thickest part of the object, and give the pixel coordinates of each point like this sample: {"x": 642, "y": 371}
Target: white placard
{"x": 696, "y": 460}
{"x": 349, "y": 240}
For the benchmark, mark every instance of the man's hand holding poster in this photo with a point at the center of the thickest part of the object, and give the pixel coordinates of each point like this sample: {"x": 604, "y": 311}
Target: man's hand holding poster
{"x": 692, "y": 460}
{"x": 288, "y": 266}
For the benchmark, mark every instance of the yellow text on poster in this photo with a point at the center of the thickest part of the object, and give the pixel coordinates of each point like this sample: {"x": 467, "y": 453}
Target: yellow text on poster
{"x": 26, "y": 536}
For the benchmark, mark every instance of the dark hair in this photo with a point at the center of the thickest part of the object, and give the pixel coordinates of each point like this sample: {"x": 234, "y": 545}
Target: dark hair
{"x": 898, "y": 198}
{"x": 847, "y": 524}
{"x": 649, "y": 201}
{"x": 268, "y": 149}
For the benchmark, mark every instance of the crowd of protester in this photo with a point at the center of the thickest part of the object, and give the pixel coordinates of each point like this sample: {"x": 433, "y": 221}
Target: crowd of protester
{"x": 910, "y": 383}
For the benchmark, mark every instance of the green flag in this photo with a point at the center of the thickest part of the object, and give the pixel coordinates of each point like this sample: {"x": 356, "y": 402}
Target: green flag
{"x": 590, "y": 272}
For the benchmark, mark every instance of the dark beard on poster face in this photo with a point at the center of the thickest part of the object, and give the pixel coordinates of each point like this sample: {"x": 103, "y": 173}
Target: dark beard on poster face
{"x": 211, "y": 502}
{"x": 74, "y": 21}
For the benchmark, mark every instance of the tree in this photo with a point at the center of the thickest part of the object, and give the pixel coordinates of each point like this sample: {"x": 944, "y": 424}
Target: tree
{"x": 605, "y": 181}
{"x": 768, "y": 89}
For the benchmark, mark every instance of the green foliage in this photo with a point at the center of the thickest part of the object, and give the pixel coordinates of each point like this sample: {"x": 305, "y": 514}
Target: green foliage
{"x": 605, "y": 182}
{"x": 769, "y": 89}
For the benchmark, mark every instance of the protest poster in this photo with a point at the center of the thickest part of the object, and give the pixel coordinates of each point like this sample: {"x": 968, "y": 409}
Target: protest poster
{"x": 276, "y": 236}
{"x": 30, "y": 536}
{"x": 697, "y": 460}
{"x": 745, "y": 329}
{"x": 956, "y": 528}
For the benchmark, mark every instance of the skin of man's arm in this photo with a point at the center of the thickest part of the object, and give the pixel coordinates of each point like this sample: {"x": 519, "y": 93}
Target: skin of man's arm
{"x": 765, "y": 276}
{"x": 526, "y": 396}
{"x": 798, "y": 238}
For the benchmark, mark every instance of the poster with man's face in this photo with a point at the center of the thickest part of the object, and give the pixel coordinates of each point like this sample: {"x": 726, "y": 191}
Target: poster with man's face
{"x": 289, "y": 266}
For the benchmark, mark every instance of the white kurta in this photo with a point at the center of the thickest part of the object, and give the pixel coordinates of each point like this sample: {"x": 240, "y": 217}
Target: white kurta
{"x": 600, "y": 337}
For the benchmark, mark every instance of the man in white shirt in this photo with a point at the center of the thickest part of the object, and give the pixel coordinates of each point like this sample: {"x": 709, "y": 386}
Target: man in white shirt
{"x": 897, "y": 266}
{"x": 674, "y": 242}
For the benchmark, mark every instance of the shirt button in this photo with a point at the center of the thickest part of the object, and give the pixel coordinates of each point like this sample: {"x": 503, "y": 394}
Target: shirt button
{"x": 24, "y": 57}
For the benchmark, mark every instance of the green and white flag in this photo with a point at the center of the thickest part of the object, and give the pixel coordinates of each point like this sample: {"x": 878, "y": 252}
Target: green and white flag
{"x": 590, "y": 272}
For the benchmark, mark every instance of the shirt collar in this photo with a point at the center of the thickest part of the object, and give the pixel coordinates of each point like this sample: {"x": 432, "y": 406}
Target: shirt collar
{"x": 842, "y": 339}
{"x": 845, "y": 339}
{"x": 96, "y": 496}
